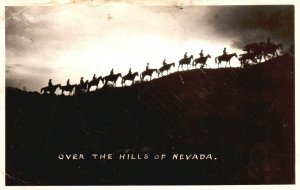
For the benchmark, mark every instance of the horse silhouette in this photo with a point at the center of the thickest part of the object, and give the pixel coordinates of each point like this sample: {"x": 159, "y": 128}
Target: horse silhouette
{"x": 94, "y": 82}
{"x": 81, "y": 88}
{"x": 130, "y": 77}
{"x": 166, "y": 67}
{"x": 225, "y": 58}
{"x": 185, "y": 61}
{"x": 272, "y": 49}
{"x": 257, "y": 49}
{"x": 50, "y": 89}
{"x": 111, "y": 78}
{"x": 148, "y": 72}
{"x": 201, "y": 61}
{"x": 68, "y": 88}
{"x": 245, "y": 58}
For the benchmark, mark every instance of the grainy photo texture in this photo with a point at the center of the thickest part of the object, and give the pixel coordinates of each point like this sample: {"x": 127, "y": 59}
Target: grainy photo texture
{"x": 123, "y": 94}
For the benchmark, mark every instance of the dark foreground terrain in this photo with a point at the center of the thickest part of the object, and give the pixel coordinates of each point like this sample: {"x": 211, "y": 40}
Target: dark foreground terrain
{"x": 243, "y": 117}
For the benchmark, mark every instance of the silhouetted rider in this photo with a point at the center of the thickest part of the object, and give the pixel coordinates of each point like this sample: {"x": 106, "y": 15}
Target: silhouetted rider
{"x": 129, "y": 72}
{"x": 112, "y": 72}
{"x": 94, "y": 77}
{"x": 68, "y": 82}
{"x": 201, "y": 54}
{"x": 185, "y": 55}
{"x": 81, "y": 81}
{"x": 50, "y": 82}
{"x": 164, "y": 63}
{"x": 268, "y": 42}
{"x": 224, "y": 52}
{"x": 147, "y": 67}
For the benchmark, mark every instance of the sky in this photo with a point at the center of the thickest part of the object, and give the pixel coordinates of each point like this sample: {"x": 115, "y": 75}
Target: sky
{"x": 69, "y": 42}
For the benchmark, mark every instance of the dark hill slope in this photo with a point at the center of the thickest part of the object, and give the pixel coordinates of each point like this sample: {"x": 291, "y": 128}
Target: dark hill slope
{"x": 244, "y": 117}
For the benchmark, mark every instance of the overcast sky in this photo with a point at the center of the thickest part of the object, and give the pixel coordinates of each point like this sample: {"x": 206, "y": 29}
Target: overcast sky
{"x": 77, "y": 41}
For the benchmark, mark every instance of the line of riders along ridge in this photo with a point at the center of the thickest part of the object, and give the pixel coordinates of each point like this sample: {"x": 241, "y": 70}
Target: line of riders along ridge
{"x": 253, "y": 52}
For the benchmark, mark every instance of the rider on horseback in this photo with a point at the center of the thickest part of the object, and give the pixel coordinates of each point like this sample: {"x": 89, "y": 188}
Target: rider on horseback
{"x": 147, "y": 67}
{"x": 201, "y": 54}
{"x": 164, "y": 63}
{"x": 68, "y": 82}
{"x": 94, "y": 77}
{"x": 112, "y": 72}
{"x": 129, "y": 72}
{"x": 268, "y": 42}
{"x": 50, "y": 83}
{"x": 185, "y": 56}
{"x": 81, "y": 81}
{"x": 224, "y": 52}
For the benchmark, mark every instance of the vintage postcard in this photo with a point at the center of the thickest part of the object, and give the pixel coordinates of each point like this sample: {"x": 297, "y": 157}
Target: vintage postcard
{"x": 126, "y": 93}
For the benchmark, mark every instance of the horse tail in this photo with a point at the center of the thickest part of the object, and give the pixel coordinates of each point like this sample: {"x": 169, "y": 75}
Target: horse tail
{"x": 216, "y": 59}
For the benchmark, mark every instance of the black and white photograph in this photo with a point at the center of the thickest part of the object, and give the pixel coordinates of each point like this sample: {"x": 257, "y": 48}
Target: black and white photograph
{"x": 117, "y": 93}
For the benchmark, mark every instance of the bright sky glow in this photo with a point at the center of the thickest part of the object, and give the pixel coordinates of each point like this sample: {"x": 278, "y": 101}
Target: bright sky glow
{"x": 78, "y": 41}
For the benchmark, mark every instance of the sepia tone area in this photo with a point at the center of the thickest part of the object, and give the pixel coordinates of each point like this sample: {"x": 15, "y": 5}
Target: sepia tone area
{"x": 212, "y": 104}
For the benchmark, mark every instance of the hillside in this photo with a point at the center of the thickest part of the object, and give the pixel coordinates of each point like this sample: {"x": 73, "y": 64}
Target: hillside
{"x": 243, "y": 116}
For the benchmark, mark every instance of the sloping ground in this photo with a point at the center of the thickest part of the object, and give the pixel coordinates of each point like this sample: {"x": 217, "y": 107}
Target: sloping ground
{"x": 243, "y": 117}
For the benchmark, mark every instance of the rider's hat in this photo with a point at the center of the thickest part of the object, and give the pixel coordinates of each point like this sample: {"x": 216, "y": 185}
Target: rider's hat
{"x": 81, "y": 78}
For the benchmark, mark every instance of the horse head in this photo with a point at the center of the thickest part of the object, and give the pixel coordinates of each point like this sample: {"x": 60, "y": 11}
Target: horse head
{"x": 99, "y": 78}
{"x": 208, "y": 56}
{"x": 280, "y": 46}
{"x": 102, "y": 79}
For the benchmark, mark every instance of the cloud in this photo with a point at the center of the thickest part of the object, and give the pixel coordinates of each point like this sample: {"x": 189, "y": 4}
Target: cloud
{"x": 248, "y": 24}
